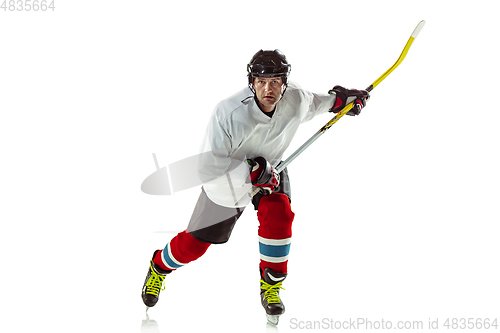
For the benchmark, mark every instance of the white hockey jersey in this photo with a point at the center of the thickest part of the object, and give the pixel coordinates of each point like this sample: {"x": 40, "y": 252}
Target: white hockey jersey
{"x": 238, "y": 130}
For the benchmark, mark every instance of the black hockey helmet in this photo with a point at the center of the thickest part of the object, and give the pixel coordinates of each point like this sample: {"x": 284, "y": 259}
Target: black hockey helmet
{"x": 268, "y": 64}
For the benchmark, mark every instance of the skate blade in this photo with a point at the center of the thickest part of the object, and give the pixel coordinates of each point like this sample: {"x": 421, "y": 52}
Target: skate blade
{"x": 273, "y": 319}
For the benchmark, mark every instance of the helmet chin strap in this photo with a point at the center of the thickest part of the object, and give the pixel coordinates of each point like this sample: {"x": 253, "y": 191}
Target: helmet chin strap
{"x": 283, "y": 89}
{"x": 250, "y": 85}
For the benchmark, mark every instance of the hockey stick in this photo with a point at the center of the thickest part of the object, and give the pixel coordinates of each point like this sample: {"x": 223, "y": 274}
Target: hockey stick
{"x": 281, "y": 166}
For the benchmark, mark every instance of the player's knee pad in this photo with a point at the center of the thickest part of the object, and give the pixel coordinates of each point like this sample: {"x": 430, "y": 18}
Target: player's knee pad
{"x": 193, "y": 248}
{"x": 183, "y": 249}
{"x": 275, "y": 208}
{"x": 275, "y": 216}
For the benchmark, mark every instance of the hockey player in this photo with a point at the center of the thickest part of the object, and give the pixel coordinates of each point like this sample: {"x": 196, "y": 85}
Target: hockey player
{"x": 255, "y": 126}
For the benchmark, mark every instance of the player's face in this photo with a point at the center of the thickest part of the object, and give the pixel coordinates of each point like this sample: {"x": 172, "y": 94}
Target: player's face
{"x": 268, "y": 91}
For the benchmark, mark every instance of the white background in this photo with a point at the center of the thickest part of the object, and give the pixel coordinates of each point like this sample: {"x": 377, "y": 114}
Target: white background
{"x": 396, "y": 210}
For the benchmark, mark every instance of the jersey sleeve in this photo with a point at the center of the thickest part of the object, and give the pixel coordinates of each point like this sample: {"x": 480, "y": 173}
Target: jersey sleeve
{"x": 318, "y": 104}
{"x": 311, "y": 104}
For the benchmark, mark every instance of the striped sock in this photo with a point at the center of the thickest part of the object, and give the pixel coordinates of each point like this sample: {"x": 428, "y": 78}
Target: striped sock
{"x": 275, "y": 231}
{"x": 274, "y": 253}
{"x": 181, "y": 250}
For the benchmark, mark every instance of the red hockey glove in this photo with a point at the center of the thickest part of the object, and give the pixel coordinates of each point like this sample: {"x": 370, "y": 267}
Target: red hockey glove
{"x": 262, "y": 175}
{"x": 346, "y": 96}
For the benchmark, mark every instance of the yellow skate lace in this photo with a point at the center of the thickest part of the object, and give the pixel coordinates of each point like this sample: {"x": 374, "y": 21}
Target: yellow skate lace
{"x": 155, "y": 283}
{"x": 271, "y": 293}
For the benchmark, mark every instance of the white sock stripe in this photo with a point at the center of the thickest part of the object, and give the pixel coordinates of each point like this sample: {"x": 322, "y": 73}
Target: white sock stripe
{"x": 273, "y": 259}
{"x": 268, "y": 241}
{"x": 167, "y": 265}
{"x": 171, "y": 256}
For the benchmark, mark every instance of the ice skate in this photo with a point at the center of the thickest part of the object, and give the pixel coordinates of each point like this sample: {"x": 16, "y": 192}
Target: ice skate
{"x": 269, "y": 295}
{"x": 153, "y": 284}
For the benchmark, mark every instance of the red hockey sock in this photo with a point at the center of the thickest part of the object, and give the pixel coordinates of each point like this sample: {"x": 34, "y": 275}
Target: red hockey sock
{"x": 275, "y": 231}
{"x": 281, "y": 267}
{"x": 181, "y": 250}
